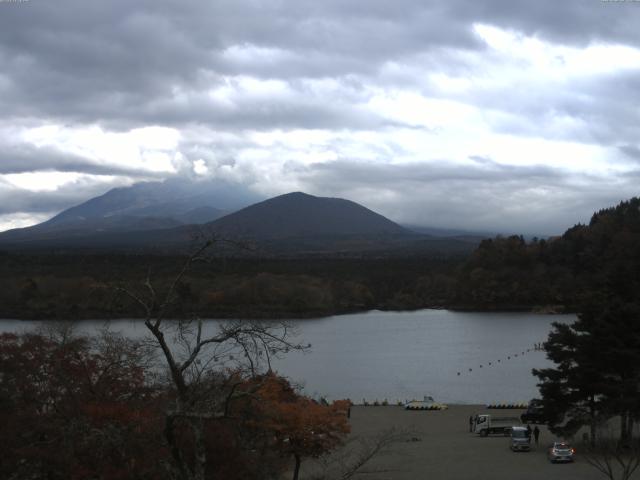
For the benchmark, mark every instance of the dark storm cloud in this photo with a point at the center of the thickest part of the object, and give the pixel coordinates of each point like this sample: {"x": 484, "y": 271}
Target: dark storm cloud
{"x": 96, "y": 61}
{"x": 86, "y": 61}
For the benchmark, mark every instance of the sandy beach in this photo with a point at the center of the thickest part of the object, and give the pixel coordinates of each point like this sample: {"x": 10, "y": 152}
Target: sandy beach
{"x": 443, "y": 448}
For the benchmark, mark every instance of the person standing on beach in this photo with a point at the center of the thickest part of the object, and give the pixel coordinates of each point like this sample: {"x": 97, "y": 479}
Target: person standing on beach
{"x": 536, "y": 434}
{"x": 471, "y": 423}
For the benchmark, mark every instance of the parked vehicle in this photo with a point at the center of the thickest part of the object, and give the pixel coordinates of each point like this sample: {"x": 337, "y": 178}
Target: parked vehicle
{"x": 534, "y": 413}
{"x": 560, "y": 452}
{"x": 520, "y": 439}
{"x": 487, "y": 424}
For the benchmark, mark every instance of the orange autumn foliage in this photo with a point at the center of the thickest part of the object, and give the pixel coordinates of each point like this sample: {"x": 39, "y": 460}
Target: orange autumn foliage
{"x": 89, "y": 409}
{"x": 298, "y": 426}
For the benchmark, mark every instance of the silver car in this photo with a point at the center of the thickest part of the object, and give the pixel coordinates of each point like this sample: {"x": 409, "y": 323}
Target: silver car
{"x": 561, "y": 452}
{"x": 520, "y": 439}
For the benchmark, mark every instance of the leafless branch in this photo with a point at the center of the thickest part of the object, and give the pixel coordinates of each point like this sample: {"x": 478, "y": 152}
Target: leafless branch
{"x": 203, "y": 393}
{"x": 613, "y": 460}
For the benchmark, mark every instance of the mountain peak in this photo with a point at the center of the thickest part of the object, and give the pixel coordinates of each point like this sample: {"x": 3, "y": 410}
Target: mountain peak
{"x": 143, "y": 206}
{"x": 298, "y": 214}
{"x": 297, "y": 194}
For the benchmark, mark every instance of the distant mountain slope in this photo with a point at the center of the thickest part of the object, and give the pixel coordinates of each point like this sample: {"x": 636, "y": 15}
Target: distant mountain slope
{"x": 142, "y": 206}
{"x": 295, "y": 224}
{"x": 172, "y": 198}
{"x": 301, "y": 215}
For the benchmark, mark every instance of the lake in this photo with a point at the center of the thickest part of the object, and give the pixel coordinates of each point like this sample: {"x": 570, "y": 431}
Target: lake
{"x": 456, "y": 357}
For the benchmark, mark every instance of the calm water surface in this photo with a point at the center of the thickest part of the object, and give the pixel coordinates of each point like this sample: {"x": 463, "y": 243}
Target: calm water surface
{"x": 406, "y": 355}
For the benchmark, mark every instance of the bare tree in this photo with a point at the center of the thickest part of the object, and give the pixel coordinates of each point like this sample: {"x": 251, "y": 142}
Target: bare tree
{"x": 615, "y": 460}
{"x": 197, "y": 355}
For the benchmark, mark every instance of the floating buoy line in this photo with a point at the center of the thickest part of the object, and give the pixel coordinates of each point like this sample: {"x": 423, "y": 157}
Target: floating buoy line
{"x": 427, "y": 407}
{"x": 520, "y": 406}
{"x": 537, "y": 347}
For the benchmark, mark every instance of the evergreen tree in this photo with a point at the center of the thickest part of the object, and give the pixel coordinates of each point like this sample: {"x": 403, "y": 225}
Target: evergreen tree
{"x": 597, "y": 372}
{"x": 616, "y": 329}
{"x": 571, "y": 391}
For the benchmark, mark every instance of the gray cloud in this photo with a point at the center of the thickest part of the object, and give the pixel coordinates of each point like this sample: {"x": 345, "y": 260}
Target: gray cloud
{"x": 22, "y": 158}
{"x": 574, "y": 21}
{"x": 121, "y": 61}
{"x": 123, "y": 65}
{"x": 529, "y": 199}
{"x": 15, "y": 199}
{"x": 631, "y": 151}
{"x": 483, "y": 169}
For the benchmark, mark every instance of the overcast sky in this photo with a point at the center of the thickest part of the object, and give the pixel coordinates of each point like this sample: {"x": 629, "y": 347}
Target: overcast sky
{"x": 516, "y": 116}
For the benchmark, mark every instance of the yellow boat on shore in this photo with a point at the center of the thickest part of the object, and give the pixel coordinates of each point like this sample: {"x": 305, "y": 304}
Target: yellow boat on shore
{"x": 427, "y": 404}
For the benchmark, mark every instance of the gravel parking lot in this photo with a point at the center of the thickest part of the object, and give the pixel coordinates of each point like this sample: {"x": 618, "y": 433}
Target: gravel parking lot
{"x": 443, "y": 448}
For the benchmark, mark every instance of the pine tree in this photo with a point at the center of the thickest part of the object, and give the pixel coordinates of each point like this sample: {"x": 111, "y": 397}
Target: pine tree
{"x": 597, "y": 372}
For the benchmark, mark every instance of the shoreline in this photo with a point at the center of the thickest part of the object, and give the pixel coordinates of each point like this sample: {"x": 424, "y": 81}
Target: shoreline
{"x": 309, "y": 315}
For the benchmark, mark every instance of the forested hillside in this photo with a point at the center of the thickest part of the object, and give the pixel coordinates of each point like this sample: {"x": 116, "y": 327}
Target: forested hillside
{"x": 560, "y": 272}
{"x": 65, "y": 286}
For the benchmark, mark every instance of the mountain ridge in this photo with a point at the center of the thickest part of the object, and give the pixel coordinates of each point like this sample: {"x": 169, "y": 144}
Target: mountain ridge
{"x": 295, "y": 223}
{"x": 142, "y": 206}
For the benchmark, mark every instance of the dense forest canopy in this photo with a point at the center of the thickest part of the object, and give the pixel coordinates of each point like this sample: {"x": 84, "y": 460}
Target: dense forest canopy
{"x": 558, "y": 271}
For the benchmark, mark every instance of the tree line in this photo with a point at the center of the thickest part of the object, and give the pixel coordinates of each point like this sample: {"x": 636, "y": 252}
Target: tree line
{"x": 72, "y": 287}
{"x": 563, "y": 271}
